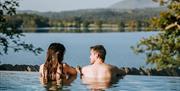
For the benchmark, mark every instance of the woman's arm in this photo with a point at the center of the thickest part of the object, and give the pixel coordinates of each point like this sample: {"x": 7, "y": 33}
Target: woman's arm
{"x": 41, "y": 70}
{"x": 69, "y": 70}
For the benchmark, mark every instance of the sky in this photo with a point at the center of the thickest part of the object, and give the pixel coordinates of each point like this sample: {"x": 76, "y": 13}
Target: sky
{"x": 63, "y": 5}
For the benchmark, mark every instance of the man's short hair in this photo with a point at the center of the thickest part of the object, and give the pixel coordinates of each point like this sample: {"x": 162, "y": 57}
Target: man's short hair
{"x": 100, "y": 50}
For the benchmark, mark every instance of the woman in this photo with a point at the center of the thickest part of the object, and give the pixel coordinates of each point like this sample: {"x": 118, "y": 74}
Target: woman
{"x": 54, "y": 70}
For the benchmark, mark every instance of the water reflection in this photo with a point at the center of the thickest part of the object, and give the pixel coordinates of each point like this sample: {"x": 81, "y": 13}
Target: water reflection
{"x": 96, "y": 84}
{"x": 58, "y": 84}
{"x": 29, "y": 81}
{"x": 76, "y": 30}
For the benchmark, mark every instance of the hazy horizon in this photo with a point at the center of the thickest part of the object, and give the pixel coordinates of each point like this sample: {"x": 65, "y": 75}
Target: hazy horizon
{"x": 63, "y": 5}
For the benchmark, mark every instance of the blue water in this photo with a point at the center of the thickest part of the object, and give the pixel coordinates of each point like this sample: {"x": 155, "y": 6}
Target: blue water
{"x": 119, "y": 53}
{"x": 117, "y": 45}
{"x": 29, "y": 81}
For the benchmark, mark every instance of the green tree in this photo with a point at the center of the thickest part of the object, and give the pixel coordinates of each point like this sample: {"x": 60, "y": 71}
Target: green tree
{"x": 121, "y": 26}
{"x": 85, "y": 24}
{"x": 10, "y": 35}
{"x": 164, "y": 48}
{"x": 98, "y": 23}
{"x": 78, "y": 21}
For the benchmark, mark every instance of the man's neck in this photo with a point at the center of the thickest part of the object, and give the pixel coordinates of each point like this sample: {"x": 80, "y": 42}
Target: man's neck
{"x": 99, "y": 61}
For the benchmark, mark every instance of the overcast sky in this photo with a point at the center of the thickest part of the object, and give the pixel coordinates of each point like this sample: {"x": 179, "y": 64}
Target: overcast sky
{"x": 63, "y": 5}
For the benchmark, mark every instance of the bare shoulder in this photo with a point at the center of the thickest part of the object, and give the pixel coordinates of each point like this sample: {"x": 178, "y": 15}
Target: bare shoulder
{"x": 41, "y": 67}
{"x": 117, "y": 70}
{"x": 112, "y": 66}
{"x": 67, "y": 66}
{"x": 69, "y": 69}
{"x": 41, "y": 70}
{"x": 85, "y": 68}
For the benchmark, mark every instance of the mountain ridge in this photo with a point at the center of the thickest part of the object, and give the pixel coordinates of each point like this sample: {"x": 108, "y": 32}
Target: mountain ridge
{"x": 134, "y": 4}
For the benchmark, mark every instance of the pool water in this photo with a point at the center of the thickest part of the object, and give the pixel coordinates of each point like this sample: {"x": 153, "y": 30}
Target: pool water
{"x": 29, "y": 81}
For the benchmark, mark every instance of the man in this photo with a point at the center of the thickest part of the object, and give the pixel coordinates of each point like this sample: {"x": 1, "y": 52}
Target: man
{"x": 98, "y": 68}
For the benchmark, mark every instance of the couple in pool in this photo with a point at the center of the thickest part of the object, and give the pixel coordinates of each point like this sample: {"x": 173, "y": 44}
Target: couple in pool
{"x": 54, "y": 69}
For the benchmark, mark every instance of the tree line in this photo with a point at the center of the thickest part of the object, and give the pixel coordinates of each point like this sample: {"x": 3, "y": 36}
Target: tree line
{"x": 163, "y": 49}
{"x": 134, "y": 20}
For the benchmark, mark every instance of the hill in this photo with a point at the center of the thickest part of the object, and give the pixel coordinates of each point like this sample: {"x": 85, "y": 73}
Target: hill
{"x": 135, "y": 4}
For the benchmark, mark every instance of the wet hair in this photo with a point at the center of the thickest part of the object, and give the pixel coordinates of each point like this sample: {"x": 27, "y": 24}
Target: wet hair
{"x": 54, "y": 58}
{"x": 100, "y": 50}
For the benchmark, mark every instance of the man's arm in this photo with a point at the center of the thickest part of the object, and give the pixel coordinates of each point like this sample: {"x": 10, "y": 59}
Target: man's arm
{"x": 118, "y": 71}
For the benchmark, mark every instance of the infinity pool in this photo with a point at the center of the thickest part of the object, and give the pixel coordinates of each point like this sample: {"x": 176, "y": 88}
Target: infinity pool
{"x": 29, "y": 81}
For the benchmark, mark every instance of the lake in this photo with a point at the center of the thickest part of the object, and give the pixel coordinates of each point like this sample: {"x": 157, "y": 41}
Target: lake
{"x": 29, "y": 81}
{"x": 77, "y": 46}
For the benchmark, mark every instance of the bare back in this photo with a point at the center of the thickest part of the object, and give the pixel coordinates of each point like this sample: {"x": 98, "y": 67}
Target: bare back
{"x": 57, "y": 75}
{"x": 98, "y": 71}
{"x": 99, "y": 76}
{"x": 67, "y": 71}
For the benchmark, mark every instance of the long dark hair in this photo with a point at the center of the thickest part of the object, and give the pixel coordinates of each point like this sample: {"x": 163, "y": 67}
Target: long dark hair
{"x": 54, "y": 58}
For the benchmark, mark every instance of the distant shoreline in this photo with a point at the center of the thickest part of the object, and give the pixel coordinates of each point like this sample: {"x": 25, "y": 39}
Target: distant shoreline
{"x": 82, "y": 29}
{"x": 128, "y": 70}
{"x": 7, "y": 71}
{"x": 28, "y": 68}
